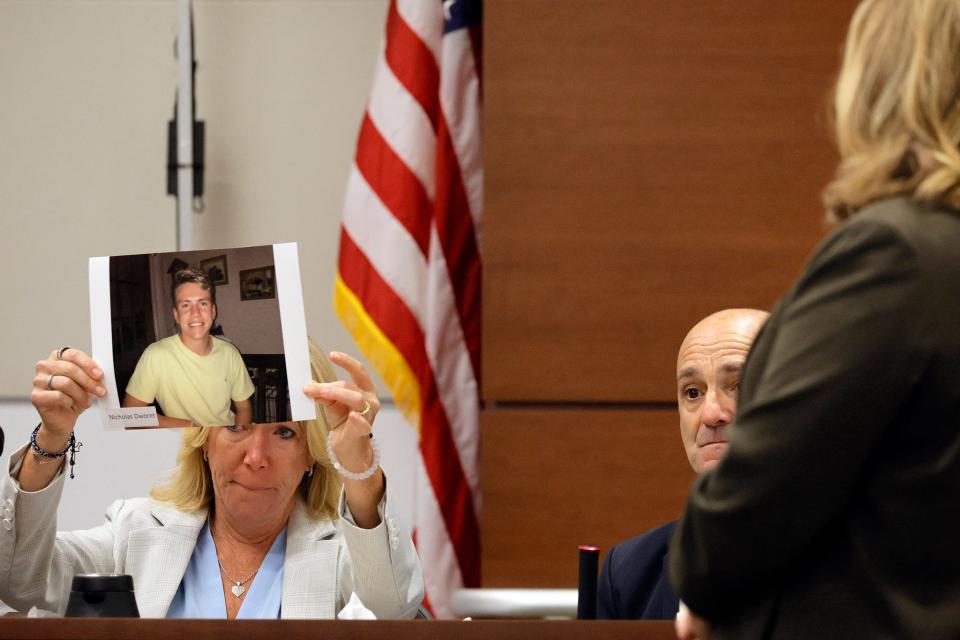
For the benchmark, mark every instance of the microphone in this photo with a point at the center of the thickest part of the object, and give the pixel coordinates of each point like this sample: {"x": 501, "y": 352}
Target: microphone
{"x": 587, "y": 587}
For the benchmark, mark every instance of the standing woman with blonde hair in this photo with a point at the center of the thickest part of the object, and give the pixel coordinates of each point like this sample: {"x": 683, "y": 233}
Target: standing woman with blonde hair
{"x": 835, "y": 513}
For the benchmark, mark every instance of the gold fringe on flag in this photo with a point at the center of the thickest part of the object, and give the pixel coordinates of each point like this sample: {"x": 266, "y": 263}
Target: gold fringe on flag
{"x": 380, "y": 351}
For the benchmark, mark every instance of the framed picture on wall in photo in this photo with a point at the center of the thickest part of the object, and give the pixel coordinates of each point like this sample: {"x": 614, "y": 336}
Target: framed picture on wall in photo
{"x": 216, "y": 269}
{"x": 257, "y": 284}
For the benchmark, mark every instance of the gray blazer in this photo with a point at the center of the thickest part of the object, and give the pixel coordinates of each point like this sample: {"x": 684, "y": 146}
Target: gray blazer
{"x": 152, "y": 541}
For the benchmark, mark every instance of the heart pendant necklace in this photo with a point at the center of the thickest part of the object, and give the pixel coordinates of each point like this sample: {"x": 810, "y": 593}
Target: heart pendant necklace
{"x": 237, "y": 589}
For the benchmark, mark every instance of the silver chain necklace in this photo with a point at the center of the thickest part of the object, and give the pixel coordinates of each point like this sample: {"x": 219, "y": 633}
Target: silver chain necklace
{"x": 237, "y": 589}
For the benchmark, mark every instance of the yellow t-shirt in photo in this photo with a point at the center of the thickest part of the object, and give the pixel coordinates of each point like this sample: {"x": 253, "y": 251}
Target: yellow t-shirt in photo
{"x": 189, "y": 386}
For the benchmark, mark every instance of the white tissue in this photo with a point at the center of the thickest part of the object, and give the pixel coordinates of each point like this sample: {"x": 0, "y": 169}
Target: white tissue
{"x": 354, "y": 610}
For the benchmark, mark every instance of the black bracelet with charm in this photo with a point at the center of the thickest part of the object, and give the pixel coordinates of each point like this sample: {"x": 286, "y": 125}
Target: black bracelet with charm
{"x": 43, "y": 456}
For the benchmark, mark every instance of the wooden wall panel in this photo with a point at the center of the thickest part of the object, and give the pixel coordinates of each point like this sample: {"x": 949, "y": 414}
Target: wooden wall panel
{"x": 555, "y": 479}
{"x": 646, "y": 163}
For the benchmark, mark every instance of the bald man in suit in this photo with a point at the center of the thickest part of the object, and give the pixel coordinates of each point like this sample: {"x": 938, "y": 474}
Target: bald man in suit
{"x": 633, "y": 582}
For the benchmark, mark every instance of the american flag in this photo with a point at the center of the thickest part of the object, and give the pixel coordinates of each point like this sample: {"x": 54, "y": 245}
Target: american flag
{"x": 408, "y": 283}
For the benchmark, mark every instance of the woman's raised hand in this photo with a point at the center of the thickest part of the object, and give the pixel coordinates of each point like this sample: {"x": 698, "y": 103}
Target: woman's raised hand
{"x": 350, "y": 406}
{"x": 64, "y": 388}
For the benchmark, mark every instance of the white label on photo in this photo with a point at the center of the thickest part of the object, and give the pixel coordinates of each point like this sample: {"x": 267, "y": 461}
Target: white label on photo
{"x": 127, "y": 418}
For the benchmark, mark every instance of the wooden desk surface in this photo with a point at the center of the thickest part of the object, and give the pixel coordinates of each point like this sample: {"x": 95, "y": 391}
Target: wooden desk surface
{"x": 16, "y": 628}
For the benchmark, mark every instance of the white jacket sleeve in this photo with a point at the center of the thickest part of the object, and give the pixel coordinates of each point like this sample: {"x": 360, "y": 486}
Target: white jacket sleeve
{"x": 36, "y": 564}
{"x": 381, "y": 564}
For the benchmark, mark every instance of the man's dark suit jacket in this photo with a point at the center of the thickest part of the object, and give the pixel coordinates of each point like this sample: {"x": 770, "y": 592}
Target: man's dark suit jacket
{"x": 633, "y": 582}
{"x": 836, "y": 510}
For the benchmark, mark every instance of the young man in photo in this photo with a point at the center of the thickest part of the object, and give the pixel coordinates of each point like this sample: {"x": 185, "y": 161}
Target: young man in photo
{"x": 193, "y": 375}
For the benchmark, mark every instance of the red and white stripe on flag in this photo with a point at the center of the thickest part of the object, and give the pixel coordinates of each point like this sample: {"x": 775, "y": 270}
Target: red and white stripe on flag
{"x": 408, "y": 282}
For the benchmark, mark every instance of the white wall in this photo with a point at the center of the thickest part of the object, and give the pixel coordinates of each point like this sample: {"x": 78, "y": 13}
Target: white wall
{"x": 87, "y": 87}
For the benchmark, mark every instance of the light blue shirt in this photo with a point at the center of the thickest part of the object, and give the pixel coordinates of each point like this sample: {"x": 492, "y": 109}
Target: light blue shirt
{"x": 201, "y": 591}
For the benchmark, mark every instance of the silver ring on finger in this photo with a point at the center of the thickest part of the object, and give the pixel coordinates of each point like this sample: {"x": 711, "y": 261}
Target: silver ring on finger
{"x": 50, "y": 381}
{"x": 366, "y": 410}
{"x": 60, "y": 352}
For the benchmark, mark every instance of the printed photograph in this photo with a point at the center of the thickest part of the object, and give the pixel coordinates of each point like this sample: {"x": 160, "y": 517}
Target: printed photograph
{"x": 195, "y": 343}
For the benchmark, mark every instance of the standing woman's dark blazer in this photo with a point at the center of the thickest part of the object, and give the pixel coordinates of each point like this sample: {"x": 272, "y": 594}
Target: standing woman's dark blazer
{"x": 836, "y": 512}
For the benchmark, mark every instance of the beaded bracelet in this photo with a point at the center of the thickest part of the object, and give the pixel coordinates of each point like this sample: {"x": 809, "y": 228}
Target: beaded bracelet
{"x": 38, "y": 452}
{"x": 346, "y": 473}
